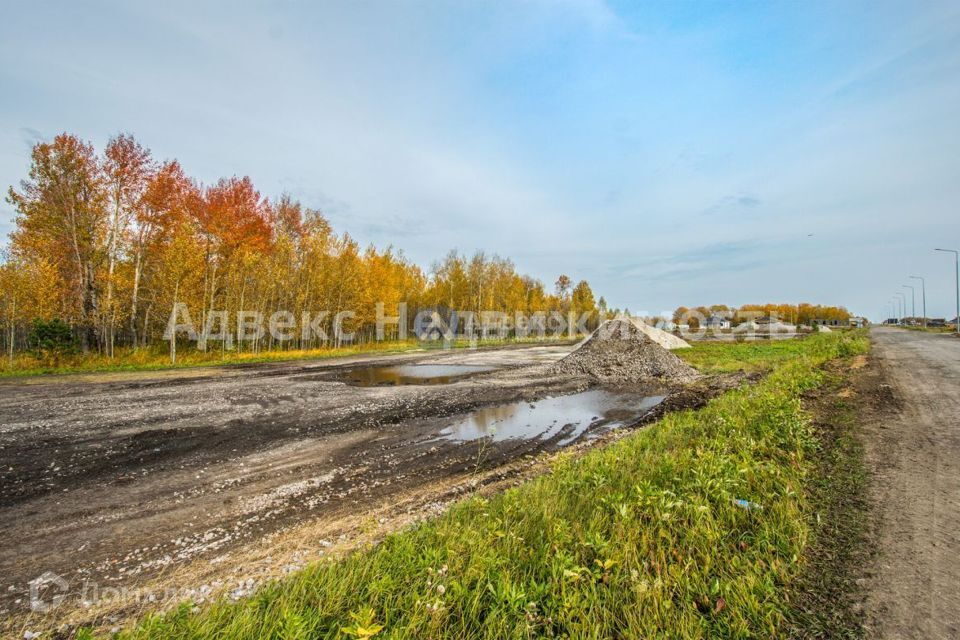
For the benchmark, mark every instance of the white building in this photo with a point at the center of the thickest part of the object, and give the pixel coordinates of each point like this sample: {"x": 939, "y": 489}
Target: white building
{"x": 716, "y": 322}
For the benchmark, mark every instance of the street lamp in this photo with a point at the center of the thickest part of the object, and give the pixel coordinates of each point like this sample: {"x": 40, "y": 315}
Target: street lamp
{"x": 923, "y": 297}
{"x": 913, "y": 301}
{"x": 956, "y": 281}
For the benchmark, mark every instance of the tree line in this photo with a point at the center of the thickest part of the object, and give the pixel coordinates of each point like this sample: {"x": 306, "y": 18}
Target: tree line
{"x": 106, "y": 244}
{"x": 798, "y": 314}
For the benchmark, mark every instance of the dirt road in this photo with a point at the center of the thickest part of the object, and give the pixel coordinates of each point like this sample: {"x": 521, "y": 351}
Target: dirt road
{"x": 112, "y": 481}
{"x": 914, "y": 452}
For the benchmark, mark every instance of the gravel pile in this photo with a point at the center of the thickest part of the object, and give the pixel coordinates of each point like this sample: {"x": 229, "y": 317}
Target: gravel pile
{"x": 619, "y": 351}
{"x": 661, "y": 337}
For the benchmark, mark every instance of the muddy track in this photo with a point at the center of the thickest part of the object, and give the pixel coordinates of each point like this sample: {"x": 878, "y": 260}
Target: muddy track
{"x": 78, "y": 433}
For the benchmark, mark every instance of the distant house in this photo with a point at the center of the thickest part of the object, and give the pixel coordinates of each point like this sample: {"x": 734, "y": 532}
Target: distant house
{"x": 936, "y": 322}
{"x": 857, "y": 321}
{"x": 824, "y": 322}
{"x": 716, "y": 322}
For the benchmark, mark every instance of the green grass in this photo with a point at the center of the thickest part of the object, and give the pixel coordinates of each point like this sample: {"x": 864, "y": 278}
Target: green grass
{"x": 950, "y": 329}
{"x": 640, "y": 538}
{"x": 724, "y": 357}
{"x": 158, "y": 358}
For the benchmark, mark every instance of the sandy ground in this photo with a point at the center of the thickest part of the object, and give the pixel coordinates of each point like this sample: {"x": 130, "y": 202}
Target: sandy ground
{"x": 913, "y": 451}
{"x": 141, "y": 490}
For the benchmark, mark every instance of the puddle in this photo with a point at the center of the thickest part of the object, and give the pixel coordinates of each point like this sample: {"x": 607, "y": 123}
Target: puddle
{"x": 411, "y": 374}
{"x": 596, "y": 410}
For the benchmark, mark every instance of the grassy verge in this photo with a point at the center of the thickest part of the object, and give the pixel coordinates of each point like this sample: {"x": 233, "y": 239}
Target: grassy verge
{"x": 949, "y": 329}
{"x": 158, "y": 359}
{"x": 724, "y": 357}
{"x": 643, "y": 538}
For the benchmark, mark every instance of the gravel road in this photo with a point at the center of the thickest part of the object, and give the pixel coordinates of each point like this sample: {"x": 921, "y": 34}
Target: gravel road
{"x": 914, "y": 453}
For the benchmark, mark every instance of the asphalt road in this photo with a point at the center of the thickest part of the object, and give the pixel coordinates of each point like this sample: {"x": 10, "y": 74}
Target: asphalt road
{"x": 914, "y": 452}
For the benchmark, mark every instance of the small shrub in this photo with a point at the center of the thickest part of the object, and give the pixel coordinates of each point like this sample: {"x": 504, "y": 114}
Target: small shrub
{"x": 51, "y": 338}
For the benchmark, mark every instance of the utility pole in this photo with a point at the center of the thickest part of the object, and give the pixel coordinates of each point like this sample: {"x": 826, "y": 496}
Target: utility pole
{"x": 923, "y": 297}
{"x": 956, "y": 282}
{"x": 913, "y": 301}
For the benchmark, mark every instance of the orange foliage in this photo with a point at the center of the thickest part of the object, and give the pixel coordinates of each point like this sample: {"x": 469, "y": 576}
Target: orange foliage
{"x": 110, "y": 243}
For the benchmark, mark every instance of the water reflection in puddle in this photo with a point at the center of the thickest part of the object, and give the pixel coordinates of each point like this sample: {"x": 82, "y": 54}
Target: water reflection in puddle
{"x": 597, "y": 409}
{"x": 411, "y": 374}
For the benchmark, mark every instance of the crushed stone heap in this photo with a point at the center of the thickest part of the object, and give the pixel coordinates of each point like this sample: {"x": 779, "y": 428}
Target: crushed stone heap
{"x": 661, "y": 337}
{"x": 621, "y": 352}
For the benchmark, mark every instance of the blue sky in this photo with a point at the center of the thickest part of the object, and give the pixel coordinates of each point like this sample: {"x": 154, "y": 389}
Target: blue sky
{"x": 670, "y": 153}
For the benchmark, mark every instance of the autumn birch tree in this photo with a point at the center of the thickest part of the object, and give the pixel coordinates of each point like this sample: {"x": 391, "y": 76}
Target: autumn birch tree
{"x": 61, "y": 214}
{"x": 126, "y": 169}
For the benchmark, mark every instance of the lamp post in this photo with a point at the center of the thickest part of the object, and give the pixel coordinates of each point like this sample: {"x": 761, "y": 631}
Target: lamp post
{"x": 913, "y": 301}
{"x": 956, "y": 281}
{"x": 923, "y": 297}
